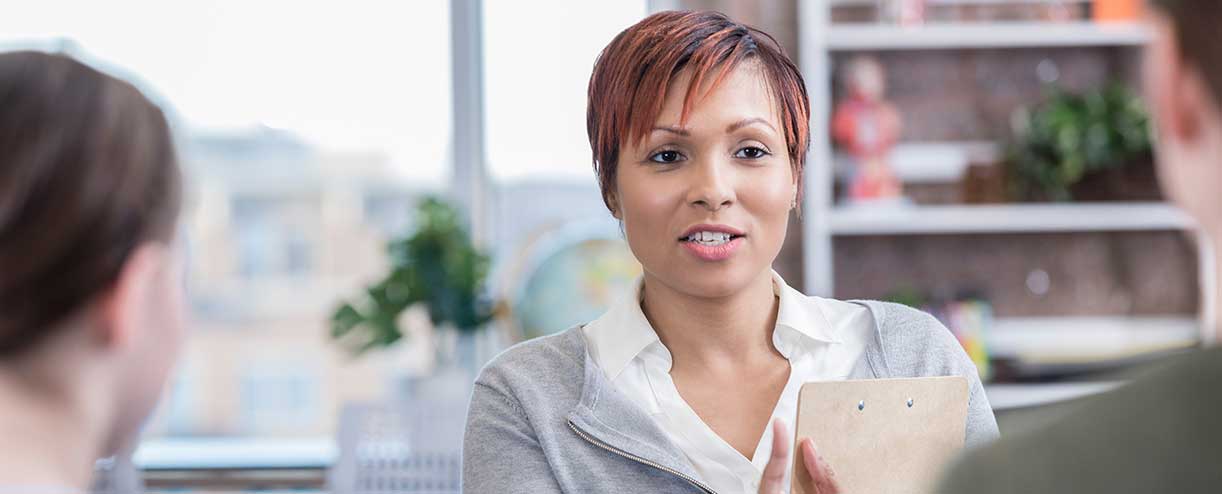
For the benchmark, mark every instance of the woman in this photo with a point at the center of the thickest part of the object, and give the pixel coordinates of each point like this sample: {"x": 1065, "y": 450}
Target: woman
{"x": 90, "y": 297}
{"x": 699, "y": 132}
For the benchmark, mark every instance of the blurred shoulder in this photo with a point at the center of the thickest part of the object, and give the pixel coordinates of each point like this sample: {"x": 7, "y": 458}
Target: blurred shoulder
{"x": 1158, "y": 434}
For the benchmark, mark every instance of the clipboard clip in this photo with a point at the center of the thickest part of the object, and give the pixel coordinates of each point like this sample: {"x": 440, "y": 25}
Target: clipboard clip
{"x": 861, "y": 405}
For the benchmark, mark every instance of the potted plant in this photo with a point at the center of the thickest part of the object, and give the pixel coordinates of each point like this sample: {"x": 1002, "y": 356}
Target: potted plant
{"x": 436, "y": 267}
{"x": 1089, "y": 146}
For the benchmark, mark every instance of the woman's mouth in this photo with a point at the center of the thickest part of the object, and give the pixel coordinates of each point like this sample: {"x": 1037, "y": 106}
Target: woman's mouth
{"x": 711, "y": 245}
{"x": 712, "y": 239}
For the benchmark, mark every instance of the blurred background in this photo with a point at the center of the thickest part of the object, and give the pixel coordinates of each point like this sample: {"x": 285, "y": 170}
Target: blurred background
{"x": 383, "y": 195}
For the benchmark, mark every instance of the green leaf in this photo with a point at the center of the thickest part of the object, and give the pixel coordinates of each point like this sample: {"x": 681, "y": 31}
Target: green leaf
{"x": 1071, "y": 136}
{"x": 438, "y": 266}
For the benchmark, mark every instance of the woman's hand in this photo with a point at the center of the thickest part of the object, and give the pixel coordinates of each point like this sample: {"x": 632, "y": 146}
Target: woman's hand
{"x": 821, "y": 474}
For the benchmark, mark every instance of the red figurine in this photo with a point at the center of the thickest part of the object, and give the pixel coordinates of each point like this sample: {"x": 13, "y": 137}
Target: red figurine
{"x": 868, "y": 127}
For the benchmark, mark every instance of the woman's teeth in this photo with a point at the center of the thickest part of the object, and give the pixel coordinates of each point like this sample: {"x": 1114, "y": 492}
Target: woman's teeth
{"x": 710, "y": 238}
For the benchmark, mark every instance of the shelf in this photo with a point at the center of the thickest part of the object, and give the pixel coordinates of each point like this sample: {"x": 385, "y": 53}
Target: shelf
{"x": 1018, "y": 218}
{"x": 850, "y": 37}
{"x": 1082, "y": 340}
{"x": 841, "y": 3}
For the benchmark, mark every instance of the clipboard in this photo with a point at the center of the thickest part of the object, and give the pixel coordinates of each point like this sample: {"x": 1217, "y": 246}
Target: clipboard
{"x": 882, "y": 435}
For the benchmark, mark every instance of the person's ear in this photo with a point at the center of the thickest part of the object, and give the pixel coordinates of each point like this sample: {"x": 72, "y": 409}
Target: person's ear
{"x": 1176, "y": 88}
{"x": 613, "y": 204}
{"x": 123, "y": 308}
{"x": 1190, "y": 101}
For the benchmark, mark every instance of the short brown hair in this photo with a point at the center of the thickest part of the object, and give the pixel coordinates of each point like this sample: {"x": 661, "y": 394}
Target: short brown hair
{"x": 88, "y": 173}
{"x": 1196, "y": 27}
{"x": 632, "y": 74}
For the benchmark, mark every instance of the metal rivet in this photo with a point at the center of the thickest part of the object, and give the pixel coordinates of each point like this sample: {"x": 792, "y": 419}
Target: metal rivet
{"x": 909, "y": 402}
{"x": 861, "y": 405}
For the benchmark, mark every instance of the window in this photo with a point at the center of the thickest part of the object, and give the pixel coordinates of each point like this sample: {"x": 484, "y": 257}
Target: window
{"x": 307, "y": 130}
{"x": 538, "y": 57}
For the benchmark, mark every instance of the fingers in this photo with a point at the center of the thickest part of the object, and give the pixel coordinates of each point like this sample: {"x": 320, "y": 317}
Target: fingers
{"x": 780, "y": 443}
{"x": 821, "y": 473}
{"x": 773, "y": 480}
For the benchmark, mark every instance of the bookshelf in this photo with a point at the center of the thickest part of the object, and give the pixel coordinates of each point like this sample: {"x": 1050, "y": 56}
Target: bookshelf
{"x": 825, "y": 220}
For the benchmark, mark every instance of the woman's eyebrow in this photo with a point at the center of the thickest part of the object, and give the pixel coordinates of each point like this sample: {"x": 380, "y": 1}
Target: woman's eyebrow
{"x": 674, "y": 130}
{"x": 748, "y": 121}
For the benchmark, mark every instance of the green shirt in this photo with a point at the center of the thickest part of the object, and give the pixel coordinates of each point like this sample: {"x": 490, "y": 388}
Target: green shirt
{"x": 1162, "y": 433}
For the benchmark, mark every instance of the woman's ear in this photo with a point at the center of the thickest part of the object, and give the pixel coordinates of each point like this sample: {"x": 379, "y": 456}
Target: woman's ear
{"x": 613, "y": 205}
{"x": 122, "y": 309}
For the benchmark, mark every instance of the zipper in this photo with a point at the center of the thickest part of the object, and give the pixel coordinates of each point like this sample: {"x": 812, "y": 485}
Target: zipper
{"x": 640, "y": 460}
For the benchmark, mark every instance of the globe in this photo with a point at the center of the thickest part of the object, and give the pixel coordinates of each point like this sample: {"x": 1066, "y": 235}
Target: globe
{"x": 574, "y": 284}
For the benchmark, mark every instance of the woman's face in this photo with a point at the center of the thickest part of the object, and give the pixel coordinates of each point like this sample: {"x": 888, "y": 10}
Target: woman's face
{"x": 705, "y": 205}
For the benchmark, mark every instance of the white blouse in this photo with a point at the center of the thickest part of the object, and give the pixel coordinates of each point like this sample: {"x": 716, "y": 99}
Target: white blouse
{"x": 822, "y": 338}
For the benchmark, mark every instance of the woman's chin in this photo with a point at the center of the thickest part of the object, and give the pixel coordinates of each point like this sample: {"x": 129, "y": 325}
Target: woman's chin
{"x": 712, "y": 281}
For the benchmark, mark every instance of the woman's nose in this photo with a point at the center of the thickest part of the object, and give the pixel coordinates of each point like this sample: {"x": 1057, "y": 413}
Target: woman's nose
{"x": 711, "y": 185}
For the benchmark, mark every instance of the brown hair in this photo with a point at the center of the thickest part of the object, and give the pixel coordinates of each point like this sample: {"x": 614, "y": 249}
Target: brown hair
{"x": 632, "y": 74}
{"x": 1196, "y": 27}
{"x": 88, "y": 173}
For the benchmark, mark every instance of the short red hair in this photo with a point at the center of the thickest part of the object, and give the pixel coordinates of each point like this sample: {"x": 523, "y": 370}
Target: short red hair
{"x": 628, "y": 87}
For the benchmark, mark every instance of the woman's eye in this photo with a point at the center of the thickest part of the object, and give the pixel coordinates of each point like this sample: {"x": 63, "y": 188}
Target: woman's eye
{"x": 666, "y": 157}
{"x": 751, "y": 153}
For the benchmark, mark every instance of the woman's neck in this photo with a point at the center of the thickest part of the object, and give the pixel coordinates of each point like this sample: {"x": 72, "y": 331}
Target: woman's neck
{"x": 736, "y": 329}
{"x": 47, "y": 443}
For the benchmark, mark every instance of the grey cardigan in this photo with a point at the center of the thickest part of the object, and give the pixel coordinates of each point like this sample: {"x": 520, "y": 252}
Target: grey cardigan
{"x": 545, "y": 419}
